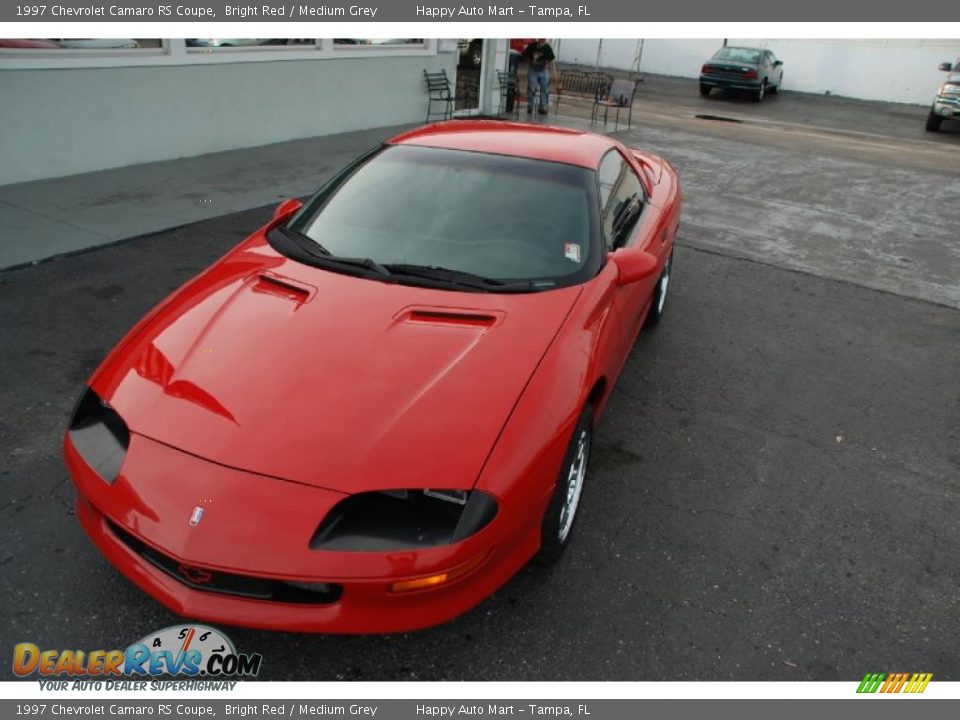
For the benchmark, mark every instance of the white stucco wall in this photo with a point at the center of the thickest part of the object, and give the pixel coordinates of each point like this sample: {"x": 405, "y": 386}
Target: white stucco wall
{"x": 64, "y": 121}
{"x": 893, "y": 70}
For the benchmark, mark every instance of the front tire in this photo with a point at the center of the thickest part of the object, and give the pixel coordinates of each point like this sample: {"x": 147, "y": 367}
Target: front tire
{"x": 933, "y": 121}
{"x": 660, "y": 295}
{"x": 561, "y": 513}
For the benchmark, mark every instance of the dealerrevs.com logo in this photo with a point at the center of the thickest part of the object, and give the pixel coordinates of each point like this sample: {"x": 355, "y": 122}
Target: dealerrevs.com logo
{"x": 185, "y": 651}
{"x": 888, "y": 683}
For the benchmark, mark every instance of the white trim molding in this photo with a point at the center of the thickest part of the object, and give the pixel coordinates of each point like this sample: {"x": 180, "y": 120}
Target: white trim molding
{"x": 175, "y": 52}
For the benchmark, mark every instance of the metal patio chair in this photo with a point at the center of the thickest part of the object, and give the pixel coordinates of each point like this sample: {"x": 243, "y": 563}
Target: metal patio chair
{"x": 509, "y": 93}
{"x": 439, "y": 93}
{"x": 620, "y": 96}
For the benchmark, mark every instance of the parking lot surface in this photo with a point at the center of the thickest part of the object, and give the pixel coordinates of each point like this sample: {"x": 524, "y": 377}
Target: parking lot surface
{"x": 663, "y": 93}
{"x": 775, "y": 486}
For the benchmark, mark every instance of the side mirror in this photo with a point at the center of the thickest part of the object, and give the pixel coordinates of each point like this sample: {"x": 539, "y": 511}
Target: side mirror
{"x": 777, "y": 63}
{"x": 946, "y": 67}
{"x": 633, "y": 265}
{"x": 287, "y": 207}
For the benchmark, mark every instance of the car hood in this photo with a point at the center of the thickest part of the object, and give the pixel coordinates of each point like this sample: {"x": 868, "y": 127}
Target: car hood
{"x": 271, "y": 366}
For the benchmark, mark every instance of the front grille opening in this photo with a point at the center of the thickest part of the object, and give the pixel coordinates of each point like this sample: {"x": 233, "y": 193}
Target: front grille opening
{"x": 215, "y": 581}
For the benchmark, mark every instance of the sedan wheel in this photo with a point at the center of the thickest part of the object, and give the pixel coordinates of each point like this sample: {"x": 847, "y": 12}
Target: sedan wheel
{"x": 561, "y": 514}
{"x": 933, "y": 122}
{"x": 761, "y": 92}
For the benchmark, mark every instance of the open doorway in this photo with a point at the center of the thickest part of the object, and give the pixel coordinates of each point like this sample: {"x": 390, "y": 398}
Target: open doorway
{"x": 469, "y": 75}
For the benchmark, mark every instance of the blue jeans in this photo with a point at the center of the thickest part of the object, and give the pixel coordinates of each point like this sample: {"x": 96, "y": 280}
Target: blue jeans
{"x": 541, "y": 79}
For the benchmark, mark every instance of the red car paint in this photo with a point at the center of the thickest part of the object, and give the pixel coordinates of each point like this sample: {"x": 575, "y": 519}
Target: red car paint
{"x": 28, "y": 44}
{"x": 266, "y": 390}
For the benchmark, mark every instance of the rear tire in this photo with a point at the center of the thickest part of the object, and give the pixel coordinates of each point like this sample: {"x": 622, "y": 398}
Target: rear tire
{"x": 660, "y": 295}
{"x": 758, "y": 95}
{"x": 561, "y": 513}
{"x": 933, "y": 122}
{"x": 705, "y": 90}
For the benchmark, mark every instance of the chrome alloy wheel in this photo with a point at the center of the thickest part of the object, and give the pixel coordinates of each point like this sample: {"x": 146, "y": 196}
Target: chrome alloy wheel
{"x": 662, "y": 287}
{"x": 574, "y": 485}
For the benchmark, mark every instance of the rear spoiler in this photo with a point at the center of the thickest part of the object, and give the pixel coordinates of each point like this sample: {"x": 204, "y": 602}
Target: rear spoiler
{"x": 651, "y": 166}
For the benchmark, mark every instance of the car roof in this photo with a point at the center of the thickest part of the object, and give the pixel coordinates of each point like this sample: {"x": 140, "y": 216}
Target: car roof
{"x": 539, "y": 142}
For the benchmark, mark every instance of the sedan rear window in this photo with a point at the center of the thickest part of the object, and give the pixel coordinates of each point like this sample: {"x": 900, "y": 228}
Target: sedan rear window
{"x": 495, "y": 216}
{"x": 734, "y": 54}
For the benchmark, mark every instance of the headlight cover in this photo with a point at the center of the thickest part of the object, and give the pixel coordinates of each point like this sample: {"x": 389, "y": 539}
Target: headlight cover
{"x": 949, "y": 88}
{"x": 100, "y": 435}
{"x": 403, "y": 520}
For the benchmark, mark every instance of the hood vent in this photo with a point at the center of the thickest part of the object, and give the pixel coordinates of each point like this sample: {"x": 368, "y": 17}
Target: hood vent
{"x": 452, "y": 317}
{"x": 281, "y": 287}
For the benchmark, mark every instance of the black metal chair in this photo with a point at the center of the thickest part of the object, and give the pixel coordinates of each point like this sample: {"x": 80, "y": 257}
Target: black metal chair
{"x": 509, "y": 93}
{"x": 439, "y": 92}
{"x": 620, "y": 95}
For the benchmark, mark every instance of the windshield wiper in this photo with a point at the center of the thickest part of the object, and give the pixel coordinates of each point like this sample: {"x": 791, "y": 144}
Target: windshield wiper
{"x": 299, "y": 246}
{"x": 463, "y": 279}
{"x": 366, "y": 263}
{"x": 303, "y": 241}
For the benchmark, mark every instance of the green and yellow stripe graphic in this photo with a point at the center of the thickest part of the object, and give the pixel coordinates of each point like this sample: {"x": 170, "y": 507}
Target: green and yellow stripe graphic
{"x": 894, "y": 682}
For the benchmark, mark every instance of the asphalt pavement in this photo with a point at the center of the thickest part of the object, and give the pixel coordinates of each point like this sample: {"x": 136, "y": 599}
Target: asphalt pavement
{"x": 887, "y": 119}
{"x": 774, "y": 490}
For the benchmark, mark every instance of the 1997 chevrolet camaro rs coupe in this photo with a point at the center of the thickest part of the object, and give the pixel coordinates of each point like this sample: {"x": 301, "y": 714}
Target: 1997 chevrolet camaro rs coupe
{"x": 371, "y": 413}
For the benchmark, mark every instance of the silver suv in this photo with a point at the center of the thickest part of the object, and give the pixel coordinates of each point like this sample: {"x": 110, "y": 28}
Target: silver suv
{"x": 946, "y": 105}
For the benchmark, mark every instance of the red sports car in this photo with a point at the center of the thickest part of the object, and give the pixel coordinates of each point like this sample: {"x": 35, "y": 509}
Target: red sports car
{"x": 372, "y": 412}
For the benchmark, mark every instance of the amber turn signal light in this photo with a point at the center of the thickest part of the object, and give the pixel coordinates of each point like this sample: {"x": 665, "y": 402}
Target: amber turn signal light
{"x": 431, "y": 581}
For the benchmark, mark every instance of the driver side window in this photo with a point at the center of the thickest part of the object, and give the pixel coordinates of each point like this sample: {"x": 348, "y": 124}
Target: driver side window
{"x": 621, "y": 199}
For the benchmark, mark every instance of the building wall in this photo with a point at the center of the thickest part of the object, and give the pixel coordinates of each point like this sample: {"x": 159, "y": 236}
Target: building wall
{"x": 64, "y": 121}
{"x": 903, "y": 71}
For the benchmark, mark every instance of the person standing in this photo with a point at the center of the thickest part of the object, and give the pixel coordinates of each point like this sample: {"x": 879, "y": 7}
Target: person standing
{"x": 540, "y": 58}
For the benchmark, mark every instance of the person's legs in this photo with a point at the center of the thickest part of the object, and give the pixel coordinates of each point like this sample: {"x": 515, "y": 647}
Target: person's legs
{"x": 544, "y": 91}
{"x": 533, "y": 79}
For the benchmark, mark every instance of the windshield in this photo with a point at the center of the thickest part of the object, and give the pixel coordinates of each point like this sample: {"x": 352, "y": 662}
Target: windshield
{"x": 734, "y": 54}
{"x": 499, "y": 217}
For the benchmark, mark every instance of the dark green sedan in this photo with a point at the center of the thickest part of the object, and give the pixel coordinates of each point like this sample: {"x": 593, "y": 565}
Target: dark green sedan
{"x": 743, "y": 69}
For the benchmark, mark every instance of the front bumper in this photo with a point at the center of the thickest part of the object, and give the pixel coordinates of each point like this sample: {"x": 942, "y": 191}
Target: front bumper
{"x": 947, "y": 107}
{"x": 259, "y": 528}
